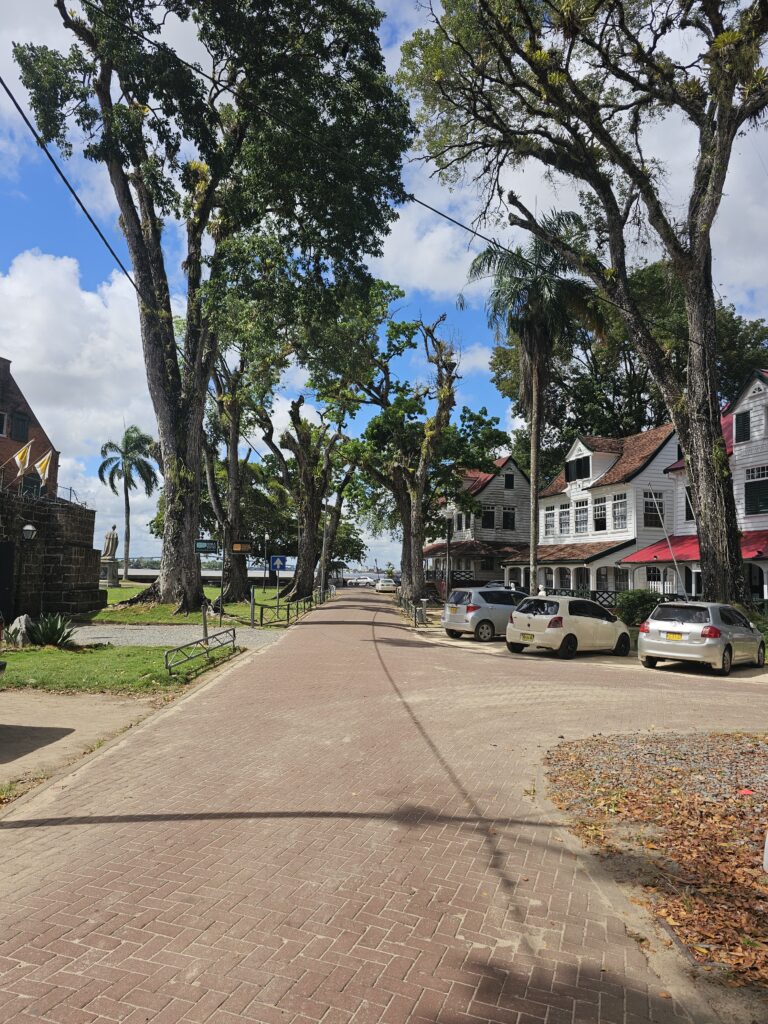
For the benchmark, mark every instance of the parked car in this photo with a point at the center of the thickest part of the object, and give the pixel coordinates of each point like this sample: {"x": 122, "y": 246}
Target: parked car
{"x": 481, "y": 611}
{"x": 566, "y": 625}
{"x": 715, "y": 634}
{"x": 361, "y": 581}
{"x": 386, "y": 585}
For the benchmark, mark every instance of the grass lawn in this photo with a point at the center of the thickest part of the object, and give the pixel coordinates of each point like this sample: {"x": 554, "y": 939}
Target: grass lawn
{"x": 99, "y": 669}
{"x": 162, "y": 614}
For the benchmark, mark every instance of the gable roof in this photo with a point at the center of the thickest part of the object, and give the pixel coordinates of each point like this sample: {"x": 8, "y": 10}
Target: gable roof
{"x": 477, "y": 480}
{"x": 761, "y": 375}
{"x": 635, "y": 452}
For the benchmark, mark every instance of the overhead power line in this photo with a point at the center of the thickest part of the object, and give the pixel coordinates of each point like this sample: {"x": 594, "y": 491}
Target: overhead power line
{"x": 70, "y": 187}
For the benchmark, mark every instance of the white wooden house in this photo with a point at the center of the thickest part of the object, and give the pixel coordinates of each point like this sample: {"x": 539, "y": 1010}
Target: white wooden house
{"x": 611, "y": 498}
{"x": 745, "y": 432}
{"x": 477, "y": 541}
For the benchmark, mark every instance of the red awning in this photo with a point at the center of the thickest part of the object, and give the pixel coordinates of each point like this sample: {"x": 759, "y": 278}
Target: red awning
{"x": 754, "y": 545}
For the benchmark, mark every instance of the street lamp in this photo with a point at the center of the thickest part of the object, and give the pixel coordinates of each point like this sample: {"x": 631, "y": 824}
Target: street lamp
{"x": 29, "y": 532}
{"x": 448, "y": 531}
{"x": 264, "y": 576}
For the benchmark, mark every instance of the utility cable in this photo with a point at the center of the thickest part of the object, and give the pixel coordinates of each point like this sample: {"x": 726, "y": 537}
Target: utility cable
{"x": 70, "y": 187}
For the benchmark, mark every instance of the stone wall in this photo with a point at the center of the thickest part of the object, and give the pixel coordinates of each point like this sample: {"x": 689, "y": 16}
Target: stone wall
{"x": 58, "y": 571}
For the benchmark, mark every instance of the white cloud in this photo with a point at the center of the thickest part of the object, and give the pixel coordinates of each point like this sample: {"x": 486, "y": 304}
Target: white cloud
{"x": 475, "y": 359}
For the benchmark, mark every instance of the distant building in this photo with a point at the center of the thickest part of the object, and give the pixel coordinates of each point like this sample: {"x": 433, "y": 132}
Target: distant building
{"x": 18, "y": 425}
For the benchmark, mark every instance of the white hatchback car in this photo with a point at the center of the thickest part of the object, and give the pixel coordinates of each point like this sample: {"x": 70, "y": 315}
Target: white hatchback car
{"x": 386, "y": 585}
{"x": 566, "y": 625}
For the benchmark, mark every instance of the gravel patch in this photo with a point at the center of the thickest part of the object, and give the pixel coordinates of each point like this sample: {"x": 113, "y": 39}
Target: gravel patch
{"x": 166, "y": 636}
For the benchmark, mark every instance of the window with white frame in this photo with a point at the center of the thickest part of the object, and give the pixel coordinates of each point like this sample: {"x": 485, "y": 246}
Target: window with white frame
{"x": 581, "y": 516}
{"x": 565, "y": 518}
{"x": 756, "y": 491}
{"x": 508, "y": 518}
{"x": 653, "y": 509}
{"x": 458, "y": 519}
{"x": 467, "y": 520}
{"x": 2, "y": 424}
{"x": 619, "y": 511}
{"x": 549, "y": 521}
{"x": 509, "y": 481}
{"x": 600, "y": 514}
{"x": 488, "y": 521}
{"x": 689, "y": 516}
{"x": 742, "y": 427}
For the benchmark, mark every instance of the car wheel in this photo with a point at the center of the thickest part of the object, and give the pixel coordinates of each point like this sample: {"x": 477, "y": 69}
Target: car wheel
{"x": 568, "y": 647}
{"x": 454, "y": 634}
{"x": 649, "y": 662}
{"x": 760, "y": 659}
{"x": 484, "y": 631}
{"x": 515, "y": 648}
{"x": 725, "y": 665}
{"x": 621, "y": 649}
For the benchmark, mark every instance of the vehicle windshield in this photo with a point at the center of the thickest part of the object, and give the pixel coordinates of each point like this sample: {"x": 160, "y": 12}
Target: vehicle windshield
{"x": 538, "y": 606}
{"x": 460, "y": 597}
{"x": 680, "y": 613}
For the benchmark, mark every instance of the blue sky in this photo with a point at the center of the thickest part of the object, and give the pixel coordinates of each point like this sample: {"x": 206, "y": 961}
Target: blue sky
{"x": 68, "y": 318}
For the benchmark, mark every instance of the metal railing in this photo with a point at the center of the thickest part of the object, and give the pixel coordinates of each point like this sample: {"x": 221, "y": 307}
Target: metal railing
{"x": 198, "y": 648}
{"x": 290, "y": 611}
{"x": 414, "y": 611}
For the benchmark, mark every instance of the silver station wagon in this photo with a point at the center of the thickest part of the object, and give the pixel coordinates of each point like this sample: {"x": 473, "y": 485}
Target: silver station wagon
{"x": 714, "y": 634}
{"x": 482, "y": 611}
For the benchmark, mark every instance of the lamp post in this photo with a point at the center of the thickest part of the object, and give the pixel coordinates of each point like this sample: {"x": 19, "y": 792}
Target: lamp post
{"x": 264, "y": 577}
{"x": 28, "y": 534}
{"x": 448, "y": 532}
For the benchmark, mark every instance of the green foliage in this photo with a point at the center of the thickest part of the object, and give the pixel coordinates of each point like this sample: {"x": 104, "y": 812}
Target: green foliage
{"x": 634, "y": 606}
{"x": 52, "y": 630}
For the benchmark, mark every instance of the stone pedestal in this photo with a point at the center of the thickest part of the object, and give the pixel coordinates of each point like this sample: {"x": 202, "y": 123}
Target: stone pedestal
{"x": 109, "y": 572}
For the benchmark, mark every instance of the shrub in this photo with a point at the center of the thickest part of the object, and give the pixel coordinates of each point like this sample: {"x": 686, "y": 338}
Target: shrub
{"x": 634, "y": 606}
{"x": 51, "y": 631}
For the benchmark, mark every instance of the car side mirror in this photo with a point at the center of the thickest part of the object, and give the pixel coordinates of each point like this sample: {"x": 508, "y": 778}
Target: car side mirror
{"x": 752, "y": 625}
{"x": 614, "y": 618}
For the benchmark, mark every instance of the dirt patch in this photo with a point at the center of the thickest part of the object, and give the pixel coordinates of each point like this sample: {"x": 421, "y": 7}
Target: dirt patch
{"x": 41, "y": 733}
{"x": 684, "y": 816}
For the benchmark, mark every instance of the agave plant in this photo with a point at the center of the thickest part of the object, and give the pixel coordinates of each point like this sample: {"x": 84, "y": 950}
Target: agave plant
{"x": 51, "y": 631}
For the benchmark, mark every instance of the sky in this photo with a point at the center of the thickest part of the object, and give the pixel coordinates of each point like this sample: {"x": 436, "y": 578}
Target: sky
{"x": 68, "y": 317}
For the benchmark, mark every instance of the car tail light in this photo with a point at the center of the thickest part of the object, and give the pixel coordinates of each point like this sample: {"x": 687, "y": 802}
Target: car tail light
{"x": 644, "y": 627}
{"x": 556, "y": 622}
{"x": 711, "y": 632}
{"x": 472, "y": 608}
{"x": 512, "y": 617}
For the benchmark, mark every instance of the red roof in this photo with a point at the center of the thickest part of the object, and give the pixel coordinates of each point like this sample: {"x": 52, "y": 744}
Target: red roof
{"x": 726, "y": 425}
{"x": 754, "y": 544}
{"x": 476, "y": 480}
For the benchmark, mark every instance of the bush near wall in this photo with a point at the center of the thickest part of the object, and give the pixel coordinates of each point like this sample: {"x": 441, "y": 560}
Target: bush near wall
{"x": 634, "y": 606}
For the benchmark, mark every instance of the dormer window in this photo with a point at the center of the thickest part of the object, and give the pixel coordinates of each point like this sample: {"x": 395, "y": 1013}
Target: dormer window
{"x": 741, "y": 427}
{"x": 577, "y": 469}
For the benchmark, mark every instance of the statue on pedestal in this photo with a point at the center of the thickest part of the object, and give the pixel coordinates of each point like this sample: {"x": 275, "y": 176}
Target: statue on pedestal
{"x": 108, "y": 560}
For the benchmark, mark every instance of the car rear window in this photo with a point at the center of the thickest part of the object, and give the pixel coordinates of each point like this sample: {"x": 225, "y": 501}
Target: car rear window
{"x": 680, "y": 613}
{"x": 460, "y": 597}
{"x": 538, "y": 606}
{"x": 498, "y": 596}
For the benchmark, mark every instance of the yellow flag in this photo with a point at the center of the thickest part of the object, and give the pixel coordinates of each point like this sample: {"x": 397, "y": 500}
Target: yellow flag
{"x": 21, "y": 458}
{"x": 43, "y": 465}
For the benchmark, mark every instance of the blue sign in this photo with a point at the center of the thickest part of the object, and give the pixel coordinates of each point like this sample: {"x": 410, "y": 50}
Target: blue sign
{"x": 277, "y": 562}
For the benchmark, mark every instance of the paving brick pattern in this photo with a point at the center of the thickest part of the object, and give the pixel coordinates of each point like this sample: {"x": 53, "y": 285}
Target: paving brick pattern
{"x": 341, "y": 830}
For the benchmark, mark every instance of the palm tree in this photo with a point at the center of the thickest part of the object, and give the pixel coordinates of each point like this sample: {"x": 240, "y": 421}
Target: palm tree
{"x": 534, "y": 306}
{"x": 125, "y": 461}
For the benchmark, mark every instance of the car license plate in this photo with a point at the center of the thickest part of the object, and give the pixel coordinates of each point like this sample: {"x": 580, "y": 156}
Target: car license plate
{"x": 452, "y": 609}
{"x": 526, "y": 636}
{"x": 674, "y": 636}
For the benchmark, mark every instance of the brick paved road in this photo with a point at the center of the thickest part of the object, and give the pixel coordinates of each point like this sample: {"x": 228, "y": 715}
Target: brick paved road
{"x": 339, "y": 830}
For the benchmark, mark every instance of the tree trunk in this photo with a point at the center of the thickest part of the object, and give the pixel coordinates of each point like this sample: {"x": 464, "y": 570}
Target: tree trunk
{"x": 304, "y": 580}
{"x": 709, "y": 472}
{"x": 417, "y": 549}
{"x": 235, "y": 566}
{"x": 535, "y": 432}
{"x": 127, "y": 535}
{"x": 403, "y": 502}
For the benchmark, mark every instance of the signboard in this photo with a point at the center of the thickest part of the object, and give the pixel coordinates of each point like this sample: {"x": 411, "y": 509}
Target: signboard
{"x": 207, "y": 547}
{"x": 277, "y": 562}
{"x": 242, "y": 547}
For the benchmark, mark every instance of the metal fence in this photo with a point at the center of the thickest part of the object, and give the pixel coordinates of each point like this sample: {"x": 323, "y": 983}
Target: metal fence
{"x": 414, "y": 611}
{"x": 198, "y": 648}
{"x": 290, "y": 611}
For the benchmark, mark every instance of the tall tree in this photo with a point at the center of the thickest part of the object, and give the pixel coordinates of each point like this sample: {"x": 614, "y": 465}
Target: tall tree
{"x": 534, "y": 304}
{"x": 575, "y": 89}
{"x": 220, "y": 153}
{"x": 124, "y": 461}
